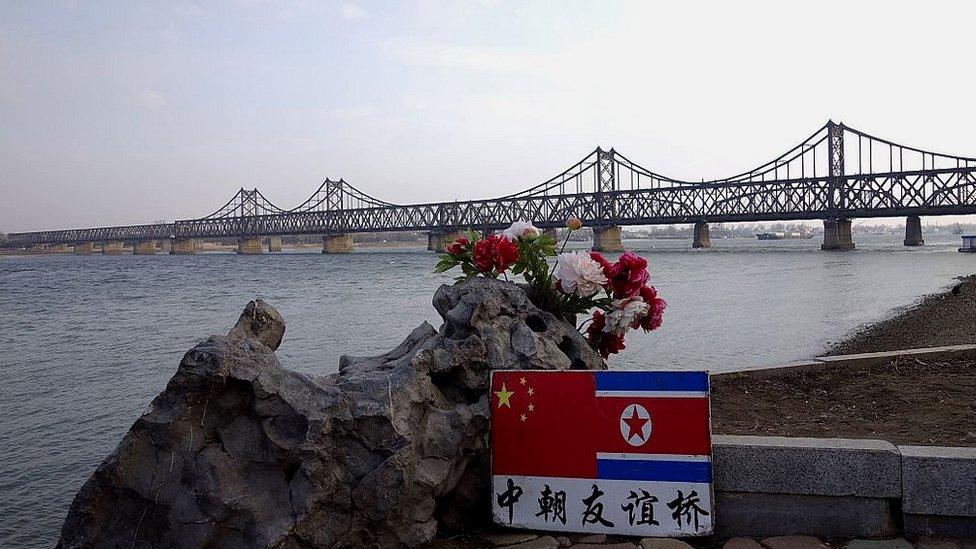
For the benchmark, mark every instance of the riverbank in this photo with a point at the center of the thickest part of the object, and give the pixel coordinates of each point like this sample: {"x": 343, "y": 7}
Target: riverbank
{"x": 920, "y": 399}
{"x": 943, "y": 318}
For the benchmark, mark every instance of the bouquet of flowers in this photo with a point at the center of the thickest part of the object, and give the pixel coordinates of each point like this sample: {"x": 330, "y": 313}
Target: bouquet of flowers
{"x": 615, "y": 295}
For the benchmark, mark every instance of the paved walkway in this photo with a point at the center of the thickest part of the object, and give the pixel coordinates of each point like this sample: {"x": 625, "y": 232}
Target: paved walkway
{"x": 531, "y": 540}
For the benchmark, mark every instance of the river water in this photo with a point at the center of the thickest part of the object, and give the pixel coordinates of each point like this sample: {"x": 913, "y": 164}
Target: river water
{"x": 87, "y": 341}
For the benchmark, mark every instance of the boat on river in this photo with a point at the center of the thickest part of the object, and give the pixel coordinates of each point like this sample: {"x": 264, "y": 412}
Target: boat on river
{"x": 968, "y": 244}
{"x": 782, "y": 236}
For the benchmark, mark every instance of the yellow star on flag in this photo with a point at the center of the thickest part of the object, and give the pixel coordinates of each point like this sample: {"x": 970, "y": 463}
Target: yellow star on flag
{"x": 503, "y": 396}
{"x": 531, "y": 407}
{"x": 531, "y": 391}
{"x": 522, "y": 381}
{"x": 523, "y": 417}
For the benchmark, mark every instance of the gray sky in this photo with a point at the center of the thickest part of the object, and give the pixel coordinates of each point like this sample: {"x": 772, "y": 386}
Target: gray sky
{"x": 123, "y": 112}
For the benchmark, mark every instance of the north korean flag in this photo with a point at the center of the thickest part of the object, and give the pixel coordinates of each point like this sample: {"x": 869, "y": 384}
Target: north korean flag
{"x": 643, "y": 426}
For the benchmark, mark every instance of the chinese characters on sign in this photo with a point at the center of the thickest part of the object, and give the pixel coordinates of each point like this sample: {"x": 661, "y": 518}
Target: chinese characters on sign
{"x": 614, "y": 452}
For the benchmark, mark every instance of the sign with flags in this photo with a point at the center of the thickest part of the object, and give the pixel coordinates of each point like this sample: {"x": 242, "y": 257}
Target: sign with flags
{"x": 611, "y": 452}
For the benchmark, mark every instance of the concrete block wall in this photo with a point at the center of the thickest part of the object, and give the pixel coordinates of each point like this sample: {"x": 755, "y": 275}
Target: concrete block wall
{"x": 939, "y": 490}
{"x": 769, "y": 486}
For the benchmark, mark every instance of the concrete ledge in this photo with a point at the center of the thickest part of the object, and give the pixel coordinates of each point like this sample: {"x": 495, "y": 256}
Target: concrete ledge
{"x": 939, "y": 481}
{"x": 947, "y": 527}
{"x": 763, "y": 515}
{"x": 769, "y": 371}
{"x": 806, "y": 466}
{"x": 946, "y": 352}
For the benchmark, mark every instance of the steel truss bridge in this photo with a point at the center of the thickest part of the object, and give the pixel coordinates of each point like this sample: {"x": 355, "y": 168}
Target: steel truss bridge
{"x": 838, "y": 172}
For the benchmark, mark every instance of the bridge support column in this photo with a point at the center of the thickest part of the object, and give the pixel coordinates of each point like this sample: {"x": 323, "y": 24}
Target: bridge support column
{"x": 607, "y": 239}
{"x": 913, "y": 231}
{"x": 837, "y": 235}
{"x": 112, "y": 248}
{"x": 437, "y": 241}
{"x": 702, "y": 238}
{"x": 274, "y": 244}
{"x": 58, "y": 247}
{"x": 144, "y": 247}
{"x": 337, "y": 243}
{"x": 183, "y": 246}
{"x": 85, "y": 248}
{"x": 249, "y": 246}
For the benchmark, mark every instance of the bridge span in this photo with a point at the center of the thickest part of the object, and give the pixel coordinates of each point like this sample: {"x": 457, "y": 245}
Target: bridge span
{"x": 836, "y": 174}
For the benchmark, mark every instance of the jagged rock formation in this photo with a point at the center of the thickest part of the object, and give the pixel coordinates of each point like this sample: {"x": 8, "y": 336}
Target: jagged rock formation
{"x": 241, "y": 452}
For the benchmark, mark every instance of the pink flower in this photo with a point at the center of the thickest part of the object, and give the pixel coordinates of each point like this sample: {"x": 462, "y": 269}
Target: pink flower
{"x": 655, "y": 309}
{"x": 625, "y": 312}
{"x": 577, "y": 273}
{"x": 607, "y": 267}
{"x": 628, "y": 275}
{"x": 522, "y": 229}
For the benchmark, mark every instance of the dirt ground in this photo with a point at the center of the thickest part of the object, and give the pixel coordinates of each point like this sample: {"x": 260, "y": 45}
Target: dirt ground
{"x": 906, "y": 401}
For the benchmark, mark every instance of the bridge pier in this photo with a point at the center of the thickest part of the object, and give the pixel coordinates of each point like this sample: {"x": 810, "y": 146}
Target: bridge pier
{"x": 837, "y": 235}
{"x": 183, "y": 246}
{"x": 85, "y": 248}
{"x": 249, "y": 246}
{"x": 58, "y": 247}
{"x": 607, "y": 239}
{"x": 274, "y": 244}
{"x": 113, "y": 248}
{"x": 144, "y": 247}
{"x": 337, "y": 243}
{"x": 437, "y": 241}
{"x": 913, "y": 231}
{"x": 702, "y": 238}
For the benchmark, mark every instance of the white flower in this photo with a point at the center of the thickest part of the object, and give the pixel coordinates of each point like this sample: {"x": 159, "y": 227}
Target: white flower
{"x": 579, "y": 274}
{"x": 625, "y": 311}
{"x": 520, "y": 228}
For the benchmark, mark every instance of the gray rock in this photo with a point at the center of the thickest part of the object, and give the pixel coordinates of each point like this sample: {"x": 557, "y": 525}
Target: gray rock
{"x": 238, "y": 451}
{"x": 742, "y": 543}
{"x": 545, "y": 542}
{"x": 667, "y": 543}
{"x": 895, "y": 543}
{"x": 259, "y": 321}
{"x": 501, "y": 539}
{"x": 793, "y": 542}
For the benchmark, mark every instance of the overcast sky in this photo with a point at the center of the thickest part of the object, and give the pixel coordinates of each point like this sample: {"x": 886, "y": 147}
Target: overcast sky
{"x": 125, "y": 112}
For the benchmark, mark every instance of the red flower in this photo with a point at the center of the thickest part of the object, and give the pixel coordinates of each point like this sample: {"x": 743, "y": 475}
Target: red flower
{"x": 655, "y": 312}
{"x": 628, "y": 275}
{"x": 607, "y": 267}
{"x": 604, "y": 343}
{"x": 508, "y": 254}
{"x": 458, "y": 247}
{"x": 494, "y": 253}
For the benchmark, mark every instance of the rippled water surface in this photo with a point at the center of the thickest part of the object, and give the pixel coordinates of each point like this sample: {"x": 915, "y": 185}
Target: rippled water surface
{"x": 87, "y": 341}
